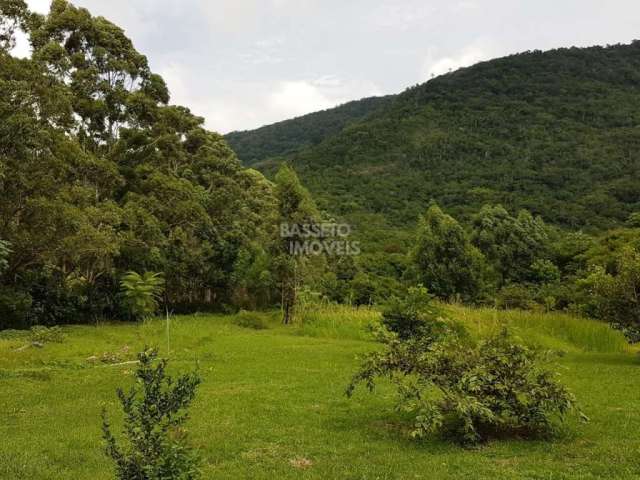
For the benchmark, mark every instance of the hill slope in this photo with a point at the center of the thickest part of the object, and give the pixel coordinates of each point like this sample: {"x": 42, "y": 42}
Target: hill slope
{"x": 555, "y": 132}
{"x": 292, "y": 135}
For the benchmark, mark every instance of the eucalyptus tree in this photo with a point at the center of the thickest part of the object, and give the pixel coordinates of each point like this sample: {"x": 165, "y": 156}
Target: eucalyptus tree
{"x": 296, "y": 211}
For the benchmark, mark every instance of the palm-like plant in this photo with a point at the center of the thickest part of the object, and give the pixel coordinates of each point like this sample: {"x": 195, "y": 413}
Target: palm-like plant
{"x": 5, "y": 251}
{"x": 142, "y": 293}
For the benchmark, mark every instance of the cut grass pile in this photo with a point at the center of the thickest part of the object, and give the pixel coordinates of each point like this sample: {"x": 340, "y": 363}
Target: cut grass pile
{"x": 272, "y": 404}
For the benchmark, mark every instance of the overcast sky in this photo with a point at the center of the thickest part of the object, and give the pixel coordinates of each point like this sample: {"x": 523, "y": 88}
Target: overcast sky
{"x": 245, "y": 63}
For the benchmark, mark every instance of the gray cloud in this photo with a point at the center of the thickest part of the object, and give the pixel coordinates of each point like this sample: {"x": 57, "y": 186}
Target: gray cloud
{"x": 245, "y": 63}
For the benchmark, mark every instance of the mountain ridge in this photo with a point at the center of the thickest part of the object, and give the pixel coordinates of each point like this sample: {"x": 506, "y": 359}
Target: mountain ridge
{"x": 555, "y": 132}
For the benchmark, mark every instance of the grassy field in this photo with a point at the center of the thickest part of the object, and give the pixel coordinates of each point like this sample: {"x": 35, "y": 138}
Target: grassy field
{"x": 273, "y": 398}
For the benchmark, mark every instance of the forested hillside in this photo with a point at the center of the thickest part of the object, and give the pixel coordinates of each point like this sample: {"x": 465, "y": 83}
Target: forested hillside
{"x": 292, "y": 135}
{"x": 556, "y": 132}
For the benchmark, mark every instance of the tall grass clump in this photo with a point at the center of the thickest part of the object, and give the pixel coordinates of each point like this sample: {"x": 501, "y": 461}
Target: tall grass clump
{"x": 550, "y": 330}
{"x": 337, "y": 321}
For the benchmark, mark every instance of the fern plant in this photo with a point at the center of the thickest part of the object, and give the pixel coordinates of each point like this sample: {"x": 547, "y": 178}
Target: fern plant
{"x": 5, "y": 251}
{"x": 142, "y": 293}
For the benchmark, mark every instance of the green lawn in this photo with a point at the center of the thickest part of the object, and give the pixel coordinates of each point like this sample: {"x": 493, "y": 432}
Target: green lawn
{"x": 276, "y": 395}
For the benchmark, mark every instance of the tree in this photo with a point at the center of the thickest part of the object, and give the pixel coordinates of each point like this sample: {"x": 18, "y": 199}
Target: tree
{"x": 412, "y": 315}
{"x": 99, "y": 176}
{"x": 154, "y": 414}
{"x": 615, "y": 297}
{"x": 13, "y": 15}
{"x": 445, "y": 261}
{"x": 252, "y": 278}
{"x": 296, "y": 212}
{"x": 111, "y": 82}
{"x": 510, "y": 244}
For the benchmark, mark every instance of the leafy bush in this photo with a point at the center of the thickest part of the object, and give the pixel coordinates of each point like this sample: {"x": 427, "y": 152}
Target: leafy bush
{"x": 361, "y": 290}
{"x": 142, "y": 293}
{"x": 614, "y": 297}
{"x": 14, "y": 308}
{"x": 412, "y": 314}
{"x": 544, "y": 272}
{"x": 634, "y": 220}
{"x": 469, "y": 391}
{"x": 253, "y": 320}
{"x": 155, "y": 413}
{"x": 515, "y": 296}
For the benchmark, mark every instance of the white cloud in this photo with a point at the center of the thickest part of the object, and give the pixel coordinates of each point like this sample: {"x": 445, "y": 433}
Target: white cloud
{"x": 269, "y": 43}
{"x": 328, "y": 81}
{"x": 266, "y": 51}
{"x": 466, "y": 5}
{"x": 298, "y": 97}
{"x": 251, "y": 104}
{"x": 401, "y": 16}
{"x": 240, "y": 16}
{"x": 22, "y": 48}
{"x": 40, "y": 6}
{"x": 470, "y": 55}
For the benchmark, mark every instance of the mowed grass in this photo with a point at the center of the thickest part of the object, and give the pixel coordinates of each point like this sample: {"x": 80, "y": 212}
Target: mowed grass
{"x": 273, "y": 395}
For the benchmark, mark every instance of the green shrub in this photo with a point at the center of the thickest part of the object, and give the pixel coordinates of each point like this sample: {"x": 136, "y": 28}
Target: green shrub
{"x": 615, "y": 298}
{"x": 339, "y": 321}
{"x": 253, "y": 320}
{"x": 515, "y": 296}
{"x": 412, "y": 314}
{"x": 634, "y": 220}
{"x": 142, "y": 293}
{"x": 469, "y": 391}
{"x": 14, "y": 308}
{"x": 154, "y": 414}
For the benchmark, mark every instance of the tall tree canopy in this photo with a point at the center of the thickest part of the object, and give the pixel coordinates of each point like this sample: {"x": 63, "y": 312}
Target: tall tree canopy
{"x": 445, "y": 261}
{"x": 99, "y": 175}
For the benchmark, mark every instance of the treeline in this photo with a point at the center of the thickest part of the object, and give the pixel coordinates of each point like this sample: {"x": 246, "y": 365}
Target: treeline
{"x": 507, "y": 261}
{"x": 100, "y": 176}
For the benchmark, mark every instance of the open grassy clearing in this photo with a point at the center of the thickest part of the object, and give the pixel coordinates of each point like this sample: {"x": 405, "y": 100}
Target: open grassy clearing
{"x": 272, "y": 398}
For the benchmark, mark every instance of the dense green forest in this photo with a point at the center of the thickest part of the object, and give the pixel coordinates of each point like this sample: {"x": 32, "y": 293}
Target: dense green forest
{"x": 554, "y": 132}
{"x": 99, "y": 175}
